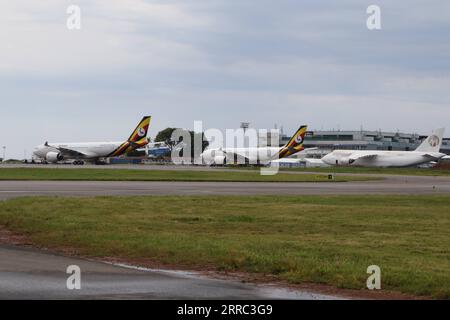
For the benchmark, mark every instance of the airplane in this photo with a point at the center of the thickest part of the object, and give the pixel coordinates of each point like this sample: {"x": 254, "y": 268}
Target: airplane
{"x": 93, "y": 151}
{"x": 258, "y": 155}
{"x": 428, "y": 151}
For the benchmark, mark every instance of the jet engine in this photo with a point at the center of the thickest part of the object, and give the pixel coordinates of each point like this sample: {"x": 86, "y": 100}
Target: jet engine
{"x": 220, "y": 160}
{"x": 213, "y": 157}
{"x": 53, "y": 157}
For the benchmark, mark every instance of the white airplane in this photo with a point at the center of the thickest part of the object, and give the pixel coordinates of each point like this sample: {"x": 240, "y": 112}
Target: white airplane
{"x": 54, "y": 152}
{"x": 428, "y": 151}
{"x": 258, "y": 155}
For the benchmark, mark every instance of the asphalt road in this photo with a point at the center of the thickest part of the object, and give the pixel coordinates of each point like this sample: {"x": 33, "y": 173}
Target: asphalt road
{"x": 391, "y": 185}
{"x": 32, "y": 274}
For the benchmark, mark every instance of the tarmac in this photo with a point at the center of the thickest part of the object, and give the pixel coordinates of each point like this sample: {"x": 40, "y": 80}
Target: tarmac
{"x": 31, "y": 274}
{"x": 395, "y": 185}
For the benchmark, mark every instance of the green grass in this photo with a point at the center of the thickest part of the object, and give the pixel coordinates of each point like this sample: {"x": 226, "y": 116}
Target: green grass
{"x": 396, "y": 171}
{"x": 161, "y": 175}
{"x": 361, "y": 170}
{"x": 321, "y": 239}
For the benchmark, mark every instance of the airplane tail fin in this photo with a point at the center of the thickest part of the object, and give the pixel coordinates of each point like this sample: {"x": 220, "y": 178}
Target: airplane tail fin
{"x": 141, "y": 130}
{"x": 432, "y": 143}
{"x": 295, "y": 144}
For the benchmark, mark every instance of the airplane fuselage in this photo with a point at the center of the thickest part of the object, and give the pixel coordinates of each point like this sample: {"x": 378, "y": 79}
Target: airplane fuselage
{"x": 252, "y": 155}
{"x": 91, "y": 150}
{"x": 382, "y": 158}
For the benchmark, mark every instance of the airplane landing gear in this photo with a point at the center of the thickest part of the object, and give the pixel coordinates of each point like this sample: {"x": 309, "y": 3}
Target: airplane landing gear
{"x": 78, "y": 162}
{"x": 100, "y": 162}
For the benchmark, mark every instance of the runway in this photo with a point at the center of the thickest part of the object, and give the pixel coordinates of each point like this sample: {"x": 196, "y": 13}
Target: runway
{"x": 32, "y": 274}
{"x": 390, "y": 185}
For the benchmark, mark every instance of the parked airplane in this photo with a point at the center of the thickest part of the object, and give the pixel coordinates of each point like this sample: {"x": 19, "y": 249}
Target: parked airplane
{"x": 54, "y": 152}
{"x": 428, "y": 151}
{"x": 252, "y": 155}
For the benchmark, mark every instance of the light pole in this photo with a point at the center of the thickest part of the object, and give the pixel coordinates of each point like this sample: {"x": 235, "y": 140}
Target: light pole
{"x": 4, "y": 153}
{"x": 244, "y": 126}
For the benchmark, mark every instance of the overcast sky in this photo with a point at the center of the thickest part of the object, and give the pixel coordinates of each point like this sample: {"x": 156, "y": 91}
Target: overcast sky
{"x": 287, "y": 62}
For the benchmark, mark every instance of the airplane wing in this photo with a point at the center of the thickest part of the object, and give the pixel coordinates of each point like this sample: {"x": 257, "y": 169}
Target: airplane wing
{"x": 433, "y": 156}
{"x": 65, "y": 152}
{"x": 244, "y": 154}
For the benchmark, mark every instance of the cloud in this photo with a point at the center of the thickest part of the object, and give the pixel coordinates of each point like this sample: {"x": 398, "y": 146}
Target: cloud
{"x": 112, "y": 37}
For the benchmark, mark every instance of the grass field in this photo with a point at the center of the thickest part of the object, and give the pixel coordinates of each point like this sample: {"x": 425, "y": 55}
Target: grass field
{"x": 361, "y": 170}
{"x": 161, "y": 175}
{"x": 320, "y": 239}
{"x": 397, "y": 171}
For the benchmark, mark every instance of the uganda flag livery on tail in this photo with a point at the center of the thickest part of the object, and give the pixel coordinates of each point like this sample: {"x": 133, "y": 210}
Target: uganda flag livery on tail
{"x": 137, "y": 139}
{"x": 295, "y": 144}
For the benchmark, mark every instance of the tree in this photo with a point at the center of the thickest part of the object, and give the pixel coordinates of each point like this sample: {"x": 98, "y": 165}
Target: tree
{"x": 166, "y": 136}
